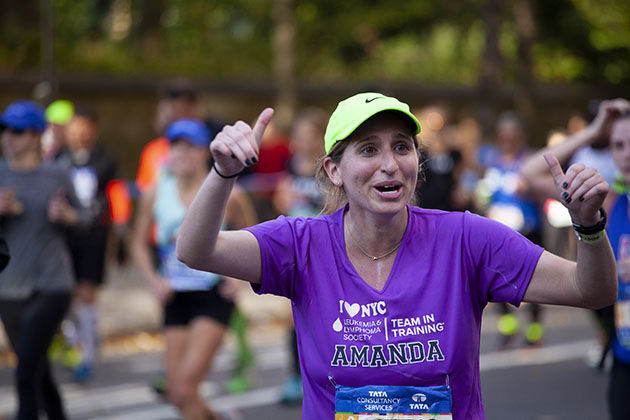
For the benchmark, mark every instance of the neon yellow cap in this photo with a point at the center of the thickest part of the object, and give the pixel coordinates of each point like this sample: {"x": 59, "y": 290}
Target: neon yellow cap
{"x": 355, "y": 110}
{"x": 59, "y": 112}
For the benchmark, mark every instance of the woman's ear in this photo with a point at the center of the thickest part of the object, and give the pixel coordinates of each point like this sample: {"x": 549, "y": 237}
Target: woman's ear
{"x": 332, "y": 170}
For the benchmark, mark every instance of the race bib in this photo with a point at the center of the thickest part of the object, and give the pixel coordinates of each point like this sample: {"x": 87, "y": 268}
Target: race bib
{"x": 180, "y": 276}
{"x": 393, "y": 403}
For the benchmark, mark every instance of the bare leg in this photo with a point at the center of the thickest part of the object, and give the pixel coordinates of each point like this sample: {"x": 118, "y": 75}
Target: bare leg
{"x": 190, "y": 366}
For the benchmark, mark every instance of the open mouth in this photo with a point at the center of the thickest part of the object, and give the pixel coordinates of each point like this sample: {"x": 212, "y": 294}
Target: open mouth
{"x": 388, "y": 189}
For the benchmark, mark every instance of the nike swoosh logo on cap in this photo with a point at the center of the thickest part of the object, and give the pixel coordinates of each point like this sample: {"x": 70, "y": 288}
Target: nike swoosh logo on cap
{"x": 367, "y": 101}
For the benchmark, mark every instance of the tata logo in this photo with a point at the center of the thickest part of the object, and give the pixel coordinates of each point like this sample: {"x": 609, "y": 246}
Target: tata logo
{"x": 419, "y": 397}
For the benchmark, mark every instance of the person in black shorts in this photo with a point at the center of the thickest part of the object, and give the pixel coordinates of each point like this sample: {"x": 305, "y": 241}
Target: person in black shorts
{"x": 91, "y": 168}
{"x": 197, "y": 304}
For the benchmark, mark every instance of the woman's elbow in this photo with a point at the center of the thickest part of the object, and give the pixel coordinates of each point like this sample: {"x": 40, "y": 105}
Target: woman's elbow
{"x": 184, "y": 253}
{"x": 611, "y": 297}
{"x": 607, "y": 297}
{"x": 190, "y": 255}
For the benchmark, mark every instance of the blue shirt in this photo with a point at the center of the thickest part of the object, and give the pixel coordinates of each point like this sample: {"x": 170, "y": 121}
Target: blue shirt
{"x": 168, "y": 213}
{"x": 618, "y": 231}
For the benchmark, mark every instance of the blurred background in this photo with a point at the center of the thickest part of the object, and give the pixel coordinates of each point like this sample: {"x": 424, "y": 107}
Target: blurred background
{"x": 459, "y": 64}
{"x": 546, "y": 59}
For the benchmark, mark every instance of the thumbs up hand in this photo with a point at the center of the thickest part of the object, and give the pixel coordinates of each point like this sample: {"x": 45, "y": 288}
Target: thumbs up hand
{"x": 237, "y": 146}
{"x": 582, "y": 190}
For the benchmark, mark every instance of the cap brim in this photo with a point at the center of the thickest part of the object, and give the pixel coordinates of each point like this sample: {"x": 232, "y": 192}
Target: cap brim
{"x": 415, "y": 125}
{"x": 191, "y": 140}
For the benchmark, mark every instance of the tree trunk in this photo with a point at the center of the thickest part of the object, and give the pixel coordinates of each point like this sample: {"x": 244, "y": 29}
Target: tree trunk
{"x": 149, "y": 30}
{"x": 284, "y": 63}
{"x": 525, "y": 29}
{"x": 491, "y": 74}
{"x": 46, "y": 89}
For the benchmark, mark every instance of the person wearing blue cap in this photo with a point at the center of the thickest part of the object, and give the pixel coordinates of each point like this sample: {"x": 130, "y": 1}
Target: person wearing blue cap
{"x": 388, "y": 297}
{"x": 37, "y": 207}
{"x": 197, "y": 304}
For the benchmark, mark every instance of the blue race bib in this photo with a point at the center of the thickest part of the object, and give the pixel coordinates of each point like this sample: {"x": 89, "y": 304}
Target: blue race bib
{"x": 393, "y": 403}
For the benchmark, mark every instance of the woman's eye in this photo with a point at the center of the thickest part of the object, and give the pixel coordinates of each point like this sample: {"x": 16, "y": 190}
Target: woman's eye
{"x": 402, "y": 148}
{"x": 368, "y": 150}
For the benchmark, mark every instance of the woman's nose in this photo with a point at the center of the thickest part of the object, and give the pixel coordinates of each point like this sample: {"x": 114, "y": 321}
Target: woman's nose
{"x": 389, "y": 163}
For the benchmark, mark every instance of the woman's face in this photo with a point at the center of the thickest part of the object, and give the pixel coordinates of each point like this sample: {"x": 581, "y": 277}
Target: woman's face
{"x": 16, "y": 144}
{"x": 620, "y": 147}
{"x": 187, "y": 159}
{"x": 379, "y": 168}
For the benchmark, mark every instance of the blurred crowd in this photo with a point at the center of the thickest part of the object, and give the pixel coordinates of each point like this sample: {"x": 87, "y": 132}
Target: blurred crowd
{"x": 462, "y": 171}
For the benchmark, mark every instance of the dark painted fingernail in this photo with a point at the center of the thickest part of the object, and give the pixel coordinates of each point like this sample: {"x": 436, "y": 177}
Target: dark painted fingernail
{"x": 233, "y": 156}
{"x": 568, "y": 200}
{"x": 565, "y": 194}
{"x": 581, "y": 198}
{"x": 254, "y": 159}
{"x": 564, "y": 185}
{"x": 247, "y": 162}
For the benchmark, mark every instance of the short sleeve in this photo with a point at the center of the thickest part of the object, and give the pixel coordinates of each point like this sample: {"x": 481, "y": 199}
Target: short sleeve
{"x": 277, "y": 242}
{"x": 502, "y": 260}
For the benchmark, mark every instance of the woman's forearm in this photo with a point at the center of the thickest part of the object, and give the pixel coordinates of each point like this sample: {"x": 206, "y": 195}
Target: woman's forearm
{"x": 199, "y": 231}
{"x": 596, "y": 273}
{"x": 199, "y": 244}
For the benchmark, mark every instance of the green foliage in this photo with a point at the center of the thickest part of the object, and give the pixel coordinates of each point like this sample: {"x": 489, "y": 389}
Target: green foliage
{"x": 609, "y": 20}
{"x": 433, "y": 41}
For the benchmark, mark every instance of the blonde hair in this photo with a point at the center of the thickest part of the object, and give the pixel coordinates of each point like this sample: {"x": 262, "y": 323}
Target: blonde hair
{"x": 335, "y": 195}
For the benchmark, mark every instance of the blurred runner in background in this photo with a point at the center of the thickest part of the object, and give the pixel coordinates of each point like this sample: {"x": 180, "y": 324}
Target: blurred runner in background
{"x": 611, "y": 122}
{"x": 197, "y": 304}
{"x": 503, "y": 196}
{"x": 37, "y": 208}
{"x": 176, "y": 102}
{"x": 92, "y": 168}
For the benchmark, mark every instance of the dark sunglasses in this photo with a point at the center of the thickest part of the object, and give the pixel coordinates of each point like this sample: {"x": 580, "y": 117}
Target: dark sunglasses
{"x": 13, "y": 130}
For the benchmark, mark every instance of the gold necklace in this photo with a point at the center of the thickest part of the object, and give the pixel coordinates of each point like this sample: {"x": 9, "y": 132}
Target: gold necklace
{"x": 372, "y": 257}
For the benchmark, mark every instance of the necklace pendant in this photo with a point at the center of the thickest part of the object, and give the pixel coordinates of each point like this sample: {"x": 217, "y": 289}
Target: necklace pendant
{"x": 374, "y": 258}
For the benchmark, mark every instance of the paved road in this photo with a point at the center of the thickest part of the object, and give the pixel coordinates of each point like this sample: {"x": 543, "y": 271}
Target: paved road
{"x": 547, "y": 383}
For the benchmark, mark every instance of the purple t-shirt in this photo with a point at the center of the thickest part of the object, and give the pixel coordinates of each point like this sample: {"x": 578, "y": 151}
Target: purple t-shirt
{"x": 422, "y": 329}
